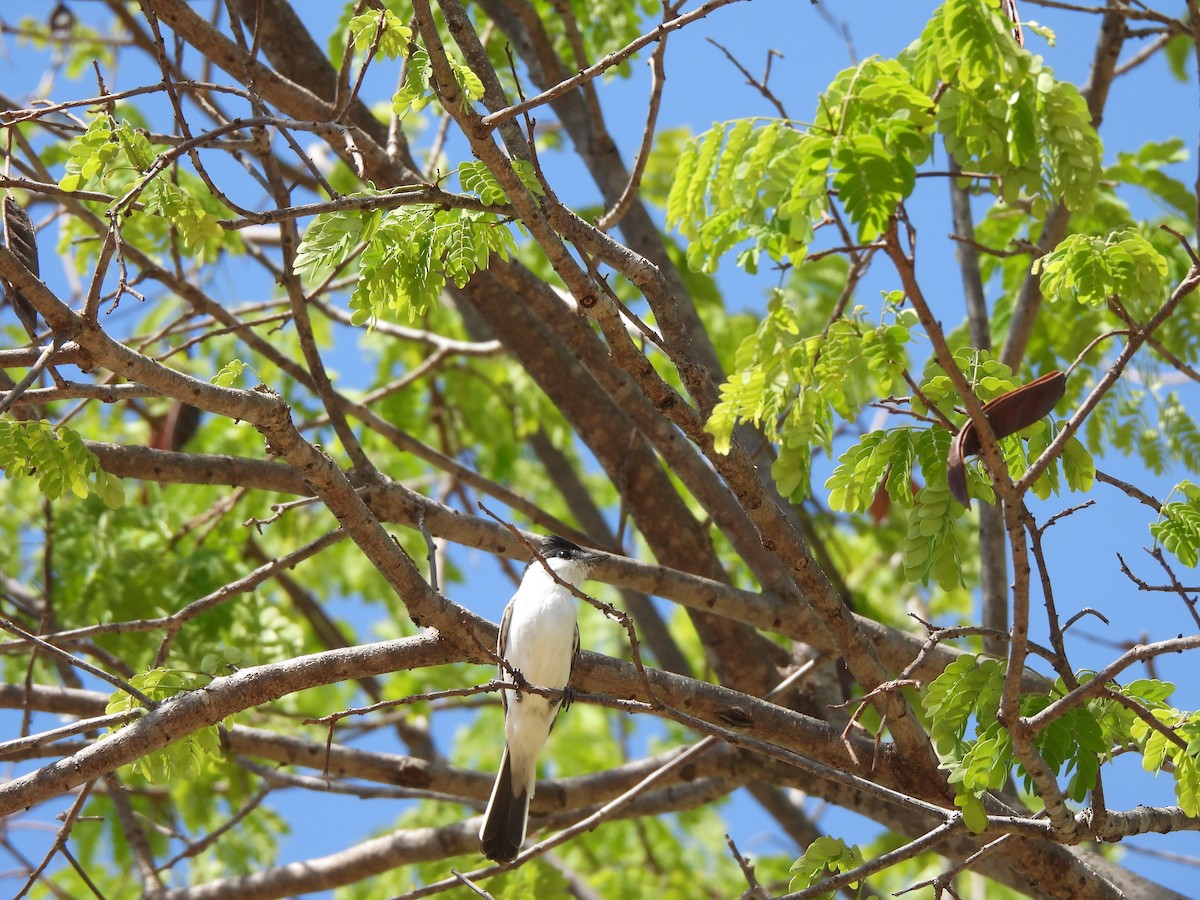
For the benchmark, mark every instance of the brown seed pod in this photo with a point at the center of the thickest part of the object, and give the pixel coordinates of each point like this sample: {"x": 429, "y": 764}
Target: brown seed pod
{"x": 1007, "y": 414}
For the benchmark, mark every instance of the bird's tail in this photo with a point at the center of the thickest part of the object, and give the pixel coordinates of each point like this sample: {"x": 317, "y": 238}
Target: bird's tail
{"x": 503, "y": 829}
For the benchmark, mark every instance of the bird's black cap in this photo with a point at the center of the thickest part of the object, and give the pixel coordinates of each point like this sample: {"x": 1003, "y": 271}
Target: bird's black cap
{"x": 556, "y": 547}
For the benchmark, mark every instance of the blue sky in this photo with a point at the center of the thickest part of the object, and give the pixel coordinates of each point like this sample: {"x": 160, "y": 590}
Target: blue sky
{"x": 702, "y": 88}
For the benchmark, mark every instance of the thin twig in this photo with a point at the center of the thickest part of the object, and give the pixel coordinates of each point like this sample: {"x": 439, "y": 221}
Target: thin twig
{"x": 60, "y": 839}
{"x": 46, "y": 647}
{"x": 760, "y": 86}
{"x": 1131, "y": 490}
{"x": 658, "y": 77}
{"x": 43, "y": 360}
{"x": 18, "y": 745}
{"x": 753, "y": 888}
{"x": 613, "y": 59}
{"x": 1178, "y": 588}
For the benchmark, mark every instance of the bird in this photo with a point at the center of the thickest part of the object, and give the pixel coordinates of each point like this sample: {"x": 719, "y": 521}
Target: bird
{"x": 539, "y": 639}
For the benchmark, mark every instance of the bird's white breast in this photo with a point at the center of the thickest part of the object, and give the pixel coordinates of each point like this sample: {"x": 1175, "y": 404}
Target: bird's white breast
{"x": 546, "y": 610}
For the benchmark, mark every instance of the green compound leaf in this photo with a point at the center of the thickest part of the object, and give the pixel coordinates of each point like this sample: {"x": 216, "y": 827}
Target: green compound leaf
{"x": 823, "y": 857}
{"x": 89, "y": 155}
{"x": 794, "y": 389}
{"x": 930, "y": 549}
{"x": 196, "y": 225}
{"x": 969, "y": 690}
{"x": 1002, "y": 111}
{"x": 415, "y": 250}
{"x": 188, "y": 757}
{"x": 1090, "y": 270}
{"x": 477, "y": 178}
{"x": 58, "y": 459}
{"x": 468, "y": 82}
{"x": 1145, "y": 169}
{"x": 415, "y": 93}
{"x": 1158, "y": 752}
{"x": 879, "y": 455}
{"x": 871, "y": 180}
{"x": 411, "y": 252}
{"x": 1078, "y": 466}
{"x": 767, "y": 182}
{"x": 966, "y": 688}
{"x": 230, "y": 374}
{"x": 331, "y": 238}
{"x": 395, "y": 36}
{"x": 1178, "y": 525}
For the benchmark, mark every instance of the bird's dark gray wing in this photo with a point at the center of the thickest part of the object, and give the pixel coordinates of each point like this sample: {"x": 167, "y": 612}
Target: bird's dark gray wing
{"x": 502, "y": 646}
{"x": 574, "y": 656}
{"x": 567, "y": 692}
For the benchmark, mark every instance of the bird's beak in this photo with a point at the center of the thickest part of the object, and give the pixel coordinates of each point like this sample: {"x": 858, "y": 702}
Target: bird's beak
{"x": 592, "y": 557}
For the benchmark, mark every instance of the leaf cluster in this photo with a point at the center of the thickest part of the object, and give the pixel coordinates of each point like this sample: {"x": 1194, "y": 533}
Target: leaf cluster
{"x": 1001, "y": 111}
{"x": 189, "y": 757}
{"x": 115, "y": 157}
{"x": 58, "y": 459}
{"x": 793, "y": 386}
{"x": 407, "y": 254}
{"x": 1090, "y": 270}
{"x": 889, "y": 460}
{"x": 961, "y": 707}
{"x": 1178, "y": 525}
{"x": 823, "y": 857}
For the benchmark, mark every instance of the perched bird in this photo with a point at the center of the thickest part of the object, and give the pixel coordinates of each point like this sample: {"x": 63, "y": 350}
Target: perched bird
{"x": 539, "y": 638}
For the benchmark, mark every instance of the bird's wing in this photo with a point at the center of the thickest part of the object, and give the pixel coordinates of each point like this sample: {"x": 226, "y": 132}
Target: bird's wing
{"x": 502, "y": 646}
{"x": 574, "y": 656}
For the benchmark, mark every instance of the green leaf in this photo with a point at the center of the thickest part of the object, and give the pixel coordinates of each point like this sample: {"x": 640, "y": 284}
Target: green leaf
{"x": 1001, "y": 110}
{"x": 863, "y": 467}
{"x": 1089, "y": 270}
{"x": 230, "y": 373}
{"x": 966, "y": 688}
{"x": 1149, "y": 691}
{"x": 1145, "y": 169}
{"x": 196, "y": 225}
{"x": 58, "y": 459}
{"x": 1071, "y": 148}
{"x": 187, "y": 757}
{"x": 823, "y": 857}
{"x": 930, "y": 548}
{"x": 768, "y": 183}
{"x": 1178, "y": 527}
{"x": 331, "y": 237}
{"x": 1187, "y": 785}
{"x": 468, "y": 82}
{"x": 89, "y": 155}
{"x": 415, "y": 93}
{"x": 394, "y": 38}
{"x": 973, "y": 811}
{"x": 1179, "y": 51}
{"x": 871, "y": 180}
{"x": 477, "y": 178}
{"x": 415, "y": 250}
{"x": 985, "y": 763}
{"x": 1078, "y": 466}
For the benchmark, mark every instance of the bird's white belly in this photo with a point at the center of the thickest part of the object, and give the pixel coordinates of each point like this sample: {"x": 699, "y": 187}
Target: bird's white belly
{"x": 546, "y": 660}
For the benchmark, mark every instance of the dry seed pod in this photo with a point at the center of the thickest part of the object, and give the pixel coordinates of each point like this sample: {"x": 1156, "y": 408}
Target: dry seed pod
{"x": 21, "y": 239}
{"x": 1007, "y": 414}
